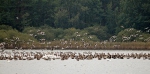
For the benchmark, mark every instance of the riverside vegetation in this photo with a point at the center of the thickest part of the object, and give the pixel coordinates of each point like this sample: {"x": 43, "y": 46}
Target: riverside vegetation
{"x": 122, "y": 24}
{"x": 47, "y": 37}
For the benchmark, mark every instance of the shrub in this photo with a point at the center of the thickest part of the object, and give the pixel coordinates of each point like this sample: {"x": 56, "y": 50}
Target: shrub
{"x": 11, "y": 34}
{"x": 5, "y": 27}
{"x": 131, "y": 34}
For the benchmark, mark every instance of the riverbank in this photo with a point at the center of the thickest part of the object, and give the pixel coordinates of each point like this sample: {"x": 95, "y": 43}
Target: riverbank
{"x": 82, "y": 45}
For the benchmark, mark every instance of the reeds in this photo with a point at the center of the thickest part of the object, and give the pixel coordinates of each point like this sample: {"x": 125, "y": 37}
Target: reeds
{"x": 84, "y": 45}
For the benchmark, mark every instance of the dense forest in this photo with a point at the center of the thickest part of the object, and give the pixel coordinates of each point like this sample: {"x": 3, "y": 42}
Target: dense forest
{"x": 98, "y": 18}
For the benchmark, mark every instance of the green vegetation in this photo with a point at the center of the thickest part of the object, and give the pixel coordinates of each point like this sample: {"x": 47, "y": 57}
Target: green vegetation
{"x": 51, "y": 34}
{"x": 9, "y": 35}
{"x": 115, "y": 15}
{"x": 131, "y": 34}
{"x": 76, "y": 20}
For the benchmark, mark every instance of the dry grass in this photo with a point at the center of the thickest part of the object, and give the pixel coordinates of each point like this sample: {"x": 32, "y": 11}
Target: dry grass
{"x": 87, "y": 45}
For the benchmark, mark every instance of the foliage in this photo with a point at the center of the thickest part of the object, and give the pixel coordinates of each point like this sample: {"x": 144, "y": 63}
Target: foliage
{"x": 99, "y": 31}
{"x": 98, "y": 18}
{"x": 131, "y": 34}
{"x": 11, "y": 35}
{"x": 5, "y": 27}
{"x": 51, "y": 34}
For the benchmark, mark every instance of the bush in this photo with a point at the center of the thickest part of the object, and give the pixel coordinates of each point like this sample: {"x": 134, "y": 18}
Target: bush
{"x": 5, "y": 27}
{"x": 99, "y": 31}
{"x": 59, "y": 33}
{"x": 9, "y": 35}
{"x": 131, "y": 34}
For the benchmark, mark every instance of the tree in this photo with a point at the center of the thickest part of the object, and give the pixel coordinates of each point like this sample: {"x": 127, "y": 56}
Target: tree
{"x": 134, "y": 14}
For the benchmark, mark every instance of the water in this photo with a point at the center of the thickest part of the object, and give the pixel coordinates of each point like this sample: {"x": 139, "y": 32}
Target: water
{"x": 113, "y": 66}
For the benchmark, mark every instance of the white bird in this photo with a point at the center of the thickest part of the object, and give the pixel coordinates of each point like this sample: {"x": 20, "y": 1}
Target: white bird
{"x": 108, "y": 59}
{"x": 146, "y": 27}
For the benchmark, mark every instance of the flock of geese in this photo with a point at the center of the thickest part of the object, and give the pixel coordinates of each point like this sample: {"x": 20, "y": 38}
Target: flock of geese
{"x": 51, "y": 55}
